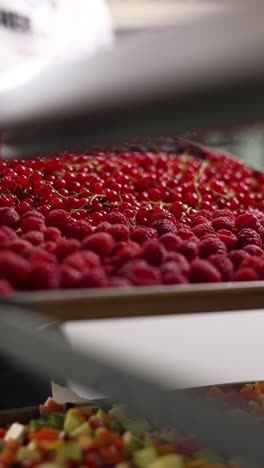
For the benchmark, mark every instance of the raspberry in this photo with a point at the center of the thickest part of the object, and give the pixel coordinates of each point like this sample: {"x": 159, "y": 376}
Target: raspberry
{"x": 237, "y": 256}
{"x": 14, "y": 268}
{"x": 198, "y": 219}
{"x": 223, "y": 264}
{"x": 211, "y": 245}
{"x": 153, "y": 252}
{"x": 140, "y": 273}
{"x": 50, "y": 246}
{"x": 163, "y": 215}
{"x": 116, "y": 218}
{"x": 44, "y": 276}
{"x": 83, "y": 260}
{"x": 32, "y": 223}
{"x": 204, "y": 213}
{"x": 9, "y": 217}
{"x": 229, "y": 239}
{"x": 223, "y": 223}
{"x": 58, "y": 219}
{"x": 170, "y": 241}
{"x": 100, "y": 243}
{"x": 173, "y": 278}
{"x": 119, "y": 282}
{"x": 70, "y": 277}
{"x": 163, "y": 226}
{"x": 65, "y": 247}
{"x": 248, "y": 236}
{"x": 9, "y": 233}
{"x": 247, "y": 220}
{"x": 120, "y": 232}
{"x": 102, "y": 227}
{"x": 6, "y": 288}
{"x": 126, "y": 253}
{"x": 203, "y": 229}
{"x": 204, "y": 272}
{"x": 95, "y": 278}
{"x": 256, "y": 263}
{"x": 253, "y": 250}
{"x": 19, "y": 246}
{"x": 223, "y": 214}
{"x": 38, "y": 254}
{"x": 140, "y": 234}
{"x": 185, "y": 233}
{"x": 34, "y": 237}
{"x": 77, "y": 229}
{"x": 176, "y": 259}
{"x": 33, "y": 214}
{"x": 52, "y": 234}
{"x": 189, "y": 249}
{"x": 245, "y": 274}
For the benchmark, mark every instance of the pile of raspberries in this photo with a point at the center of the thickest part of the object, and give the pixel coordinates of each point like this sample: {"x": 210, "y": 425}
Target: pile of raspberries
{"x": 129, "y": 218}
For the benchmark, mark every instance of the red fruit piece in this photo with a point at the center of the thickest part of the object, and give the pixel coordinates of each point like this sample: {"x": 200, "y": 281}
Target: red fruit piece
{"x": 58, "y": 219}
{"x": 115, "y": 217}
{"x": 52, "y": 234}
{"x": 185, "y": 233}
{"x": 6, "y": 288}
{"x": 162, "y": 215}
{"x": 140, "y": 234}
{"x": 223, "y": 223}
{"x": 172, "y": 273}
{"x": 44, "y": 276}
{"x": 119, "y": 282}
{"x": 253, "y": 250}
{"x": 223, "y": 264}
{"x": 245, "y": 274}
{"x": 70, "y": 277}
{"x": 38, "y": 254}
{"x": 179, "y": 259}
{"x": 19, "y": 246}
{"x": 126, "y": 253}
{"x": 198, "y": 219}
{"x": 100, "y": 243}
{"x": 204, "y": 272}
{"x": 237, "y": 256}
{"x": 77, "y": 229}
{"x": 102, "y": 227}
{"x": 95, "y": 278}
{"x": 65, "y": 247}
{"x": 32, "y": 223}
{"x": 9, "y": 233}
{"x": 170, "y": 241}
{"x": 204, "y": 213}
{"x": 153, "y": 252}
{"x": 189, "y": 249}
{"x": 140, "y": 273}
{"x": 163, "y": 226}
{"x": 247, "y": 220}
{"x": 229, "y": 239}
{"x": 14, "y": 268}
{"x": 256, "y": 263}
{"x": 120, "y": 232}
{"x": 223, "y": 214}
{"x": 248, "y": 236}
{"x": 9, "y": 217}
{"x": 83, "y": 260}
{"x": 203, "y": 229}
{"x": 34, "y": 237}
{"x": 33, "y": 214}
{"x": 211, "y": 245}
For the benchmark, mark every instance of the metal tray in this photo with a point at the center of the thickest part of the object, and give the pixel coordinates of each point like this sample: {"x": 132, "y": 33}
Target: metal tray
{"x": 23, "y": 415}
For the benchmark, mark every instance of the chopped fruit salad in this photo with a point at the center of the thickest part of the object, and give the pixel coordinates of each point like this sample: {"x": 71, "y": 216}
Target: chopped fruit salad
{"x": 89, "y": 436}
{"x": 124, "y": 218}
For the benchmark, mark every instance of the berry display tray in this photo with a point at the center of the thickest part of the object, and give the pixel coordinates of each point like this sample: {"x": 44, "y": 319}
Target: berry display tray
{"x": 23, "y": 415}
{"x": 64, "y": 306}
